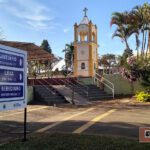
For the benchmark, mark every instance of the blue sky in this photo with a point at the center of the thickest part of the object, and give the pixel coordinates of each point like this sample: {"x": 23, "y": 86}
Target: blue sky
{"x": 35, "y": 20}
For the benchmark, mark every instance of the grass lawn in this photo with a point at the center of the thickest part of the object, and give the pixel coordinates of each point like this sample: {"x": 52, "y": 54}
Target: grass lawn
{"x": 75, "y": 142}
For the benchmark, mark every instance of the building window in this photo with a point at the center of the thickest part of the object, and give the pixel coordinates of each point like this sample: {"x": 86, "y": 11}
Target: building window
{"x": 82, "y": 66}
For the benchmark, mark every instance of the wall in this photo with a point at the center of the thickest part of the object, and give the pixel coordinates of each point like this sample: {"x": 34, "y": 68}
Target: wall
{"x": 86, "y": 80}
{"x": 30, "y": 94}
{"x": 83, "y": 57}
{"x": 83, "y": 51}
{"x": 123, "y": 86}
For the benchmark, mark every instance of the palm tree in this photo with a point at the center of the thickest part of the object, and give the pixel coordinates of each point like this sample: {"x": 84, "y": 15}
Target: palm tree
{"x": 69, "y": 55}
{"x": 148, "y": 45}
{"x": 142, "y": 21}
{"x": 124, "y": 29}
{"x": 135, "y": 22}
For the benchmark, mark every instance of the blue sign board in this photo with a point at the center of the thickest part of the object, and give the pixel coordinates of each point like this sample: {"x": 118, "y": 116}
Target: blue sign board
{"x": 13, "y": 78}
{"x": 11, "y": 60}
{"x": 9, "y": 91}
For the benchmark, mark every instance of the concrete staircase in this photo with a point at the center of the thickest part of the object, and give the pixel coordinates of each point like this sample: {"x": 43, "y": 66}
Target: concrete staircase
{"x": 95, "y": 93}
{"x": 92, "y": 92}
{"x": 54, "y": 90}
{"x": 48, "y": 95}
{"x": 71, "y": 96}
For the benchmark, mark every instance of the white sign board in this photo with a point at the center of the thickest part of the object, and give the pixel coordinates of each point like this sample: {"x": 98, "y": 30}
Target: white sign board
{"x": 13, "y": 78}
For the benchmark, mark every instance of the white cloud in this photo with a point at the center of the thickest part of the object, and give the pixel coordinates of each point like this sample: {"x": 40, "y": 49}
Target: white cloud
{"x": 30, "y": 13}
{"x": 66, "y": 30}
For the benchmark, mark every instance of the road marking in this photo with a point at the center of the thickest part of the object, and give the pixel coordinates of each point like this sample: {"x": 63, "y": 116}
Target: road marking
{"x": 30, "y": 110}
{"x": 63, "y": 120}
{"x": 93, "y": 121}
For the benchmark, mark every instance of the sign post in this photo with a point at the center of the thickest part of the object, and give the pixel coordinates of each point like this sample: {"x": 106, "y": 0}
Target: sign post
{"x": 25, "y": 124}
{"x": 13, "y": 80}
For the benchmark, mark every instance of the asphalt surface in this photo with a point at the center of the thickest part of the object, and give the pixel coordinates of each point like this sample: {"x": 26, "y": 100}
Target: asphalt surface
{"x": 114, "y": 117}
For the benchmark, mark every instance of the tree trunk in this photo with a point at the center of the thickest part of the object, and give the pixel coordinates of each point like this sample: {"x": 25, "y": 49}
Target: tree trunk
{"x": 127, "y": 45}
{"x": 145, "y": 41}
{"x": 137, "y": 53}
{"x": 148, "y": 44}
{"x": 142, "y": 50}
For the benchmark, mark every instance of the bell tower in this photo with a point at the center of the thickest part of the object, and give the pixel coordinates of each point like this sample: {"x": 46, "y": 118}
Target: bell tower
{"x": 85, "y": 48}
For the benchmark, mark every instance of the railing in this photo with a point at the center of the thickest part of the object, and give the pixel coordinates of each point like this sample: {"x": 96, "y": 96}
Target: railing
{"x": 45, "y": 86}
{"x": 83, "y": 88}
{"x": 71, "y": 87}
{"x": 100, "y": 79}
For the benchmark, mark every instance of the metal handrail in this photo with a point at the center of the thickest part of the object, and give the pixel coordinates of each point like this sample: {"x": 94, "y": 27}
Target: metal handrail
{"x": 87, "y": 88}
{"x": 51, "y": 85}
{"x": 73, "y": 85}
{"x": 72, "y": 88}
{"x": 66, "y": 83}
{"x": 67, "y": 79}
{"x": 55, "y": 81}
{"x": 78, "y": 82}
{"x": 106, "y": 84}
{"x": 45, "y": 86}
{"x": 105, "y": 79}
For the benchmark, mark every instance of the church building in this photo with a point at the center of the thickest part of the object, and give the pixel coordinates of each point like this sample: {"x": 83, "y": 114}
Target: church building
{"x": 85, "y": 48}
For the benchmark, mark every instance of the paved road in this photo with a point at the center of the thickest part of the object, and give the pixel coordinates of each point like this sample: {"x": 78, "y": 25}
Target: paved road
{"x": 118, "y": 118}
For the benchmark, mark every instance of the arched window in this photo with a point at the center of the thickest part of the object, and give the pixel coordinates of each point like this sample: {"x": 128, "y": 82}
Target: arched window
{"x": 86, "y": 38}
{"x": 82, "y": 66}
{"x": 79, "y": 39}
{"x": 83, "y": 37}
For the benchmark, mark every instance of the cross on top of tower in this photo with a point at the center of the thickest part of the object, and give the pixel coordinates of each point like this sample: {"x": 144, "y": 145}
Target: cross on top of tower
{"x": 85, "y": 11}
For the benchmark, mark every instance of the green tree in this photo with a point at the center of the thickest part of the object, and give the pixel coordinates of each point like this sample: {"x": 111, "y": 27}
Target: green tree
{"x": 107, "y": 60}
{"x": 136, "y": 22}
{"x": 68, "y": 55}
{"x": 141, "y": 15}
{"x": 124, "y": 29}
{"x": 45, "y": 45}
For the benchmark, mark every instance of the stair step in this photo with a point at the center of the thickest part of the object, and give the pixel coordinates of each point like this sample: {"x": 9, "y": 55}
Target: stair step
{"x": 51, "y": 97}
{"x": 98, "y": 94}
{"x": 106, "y": 95}
{"x": 100, "y": 98}
{"x": 96, "y": 91}
{"x": 48, "y": 100}
{"x": 48, "y": 94}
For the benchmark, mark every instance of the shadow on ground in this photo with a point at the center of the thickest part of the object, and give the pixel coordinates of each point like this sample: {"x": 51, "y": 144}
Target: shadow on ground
{"x": 10, "y": 129}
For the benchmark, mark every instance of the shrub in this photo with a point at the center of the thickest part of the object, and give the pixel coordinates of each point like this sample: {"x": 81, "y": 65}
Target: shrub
{"x": 143, "y": 96}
